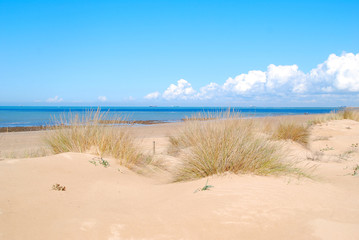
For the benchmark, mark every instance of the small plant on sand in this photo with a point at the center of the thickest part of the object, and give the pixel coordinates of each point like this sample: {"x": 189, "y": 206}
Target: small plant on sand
{"x": 58, "y": 187}
{"x": 322, "y": 138}
{"x": 104, "y": 162}
{"x": 356, "y": 169}
{"x": 291, "y": 131}
{"x": 224, "y": 145}
{"x": 204, "y": 188}
{"x": 93, "y": 162}
{"x": 326, "y": 149}
{"x": 100, "y": 161}
{"x": 87, "y": 133}
{"x": 355, "y": 145}
{"x": 353, "y": 149}
{"x": 345, "y": 155}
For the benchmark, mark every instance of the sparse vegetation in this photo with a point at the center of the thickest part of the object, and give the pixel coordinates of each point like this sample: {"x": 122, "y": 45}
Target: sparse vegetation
{"x": 87, "y": 134}
{"x": 204, "y": 188}
{"x": 347, "y": 113}
{"x": 291, "y": 131}
{"x": 153, "y": 165}
{"x": 354, "y": 145}
{"x": 356, "y": 169}
{"x": 58, "y": 187}
{"x": 100, "y": 161}
{"x": 326, "y": 149}
{"x": 206, "y": 116}
{"x": 321, "y": 138}
{"x": 345, "y": 155}
{"x": 353, "y": 149}
{"x": 225, "y": 145}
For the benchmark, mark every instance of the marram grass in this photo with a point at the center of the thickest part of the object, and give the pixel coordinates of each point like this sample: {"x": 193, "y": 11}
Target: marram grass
{"x": 225, "y": 145}
{"x": 88, "y": 134}
{"x": 347, "y": 113}
{"x": 292, "y": 131}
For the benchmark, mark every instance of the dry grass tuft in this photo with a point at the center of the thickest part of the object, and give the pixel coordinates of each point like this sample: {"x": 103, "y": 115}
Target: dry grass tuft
{"x": 87, "y": 134}
{"x": 347, "y": 113}
{"x": 291, "y": 131}
{"x": 350, "y": 114}
{"x": 208, "y": 116}
{"x": 225, "y": 145}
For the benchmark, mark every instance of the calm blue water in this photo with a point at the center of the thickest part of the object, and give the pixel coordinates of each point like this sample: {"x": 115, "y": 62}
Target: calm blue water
{"x": 37, "y": 116}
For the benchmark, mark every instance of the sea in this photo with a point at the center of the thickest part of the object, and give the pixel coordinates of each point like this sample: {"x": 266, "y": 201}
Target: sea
{"x": 24, "y": 116}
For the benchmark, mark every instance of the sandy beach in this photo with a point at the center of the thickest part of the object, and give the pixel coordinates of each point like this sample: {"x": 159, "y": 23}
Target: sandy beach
{"x": 179, "y": 120}
{"x": 117, "y": 203}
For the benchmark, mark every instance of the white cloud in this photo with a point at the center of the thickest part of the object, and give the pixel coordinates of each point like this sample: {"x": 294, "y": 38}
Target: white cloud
{"x": 338, "y": 72}
{"x": 153, "y": 95}
{"x": 55, "y": 99}
{"x": 299, "y": 88}
{"x": 337, "y": 75}
{"x": 183, "y": 90}
{"x": 102, "y": 98}
{"x": 285, "y": 78}
{"x": 279, "y": 75}
{"x": 245, "y": 82}
{"x": 209, "y": 91}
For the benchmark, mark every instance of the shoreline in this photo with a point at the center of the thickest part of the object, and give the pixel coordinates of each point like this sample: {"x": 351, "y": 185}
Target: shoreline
{"x": 115, "y": 123}
{"x": 16, "y": 119}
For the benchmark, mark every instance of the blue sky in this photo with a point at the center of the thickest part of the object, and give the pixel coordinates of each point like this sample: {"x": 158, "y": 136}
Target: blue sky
{"x": 188, "y": 53}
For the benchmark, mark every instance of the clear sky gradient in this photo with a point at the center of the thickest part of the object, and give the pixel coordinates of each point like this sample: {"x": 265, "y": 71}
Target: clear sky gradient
{"x": 128, "y": 53}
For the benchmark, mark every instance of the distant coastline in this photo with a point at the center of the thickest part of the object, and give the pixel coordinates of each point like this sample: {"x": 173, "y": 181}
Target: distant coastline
{"x": 38, "y": 117}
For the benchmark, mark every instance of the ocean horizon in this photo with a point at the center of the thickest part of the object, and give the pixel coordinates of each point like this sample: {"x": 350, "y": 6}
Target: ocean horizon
{"x": 24, "y": 116}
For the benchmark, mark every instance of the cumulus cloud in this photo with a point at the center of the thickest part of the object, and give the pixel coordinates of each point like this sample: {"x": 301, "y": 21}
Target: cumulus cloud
{"x": 285, "y": 78}
{"x": 153, "y": 95}
{"x": 183, "y": 90}
{"x": 209, "y": 91}
{"x": 55, "y": 99}
{"x": 102, "y": 98}
{"x": 245, "y": 82}
{"x": 337, "y": 75}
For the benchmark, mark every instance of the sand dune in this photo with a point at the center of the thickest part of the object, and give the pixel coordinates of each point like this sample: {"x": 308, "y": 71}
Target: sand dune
{"x": 116, "y": 203}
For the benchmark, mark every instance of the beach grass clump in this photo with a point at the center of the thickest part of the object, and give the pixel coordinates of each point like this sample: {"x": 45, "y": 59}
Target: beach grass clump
{"x": 291, "y": 131}
{"x": 346, "y": 113}
{"x": 86, "y": 133}
{"x": 326, "y": 118}
{"x": 350, "y": 114}
{"x": 224, "y": 145}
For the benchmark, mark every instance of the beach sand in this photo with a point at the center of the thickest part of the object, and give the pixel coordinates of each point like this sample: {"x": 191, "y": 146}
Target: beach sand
{"x": 116, "y": 203}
